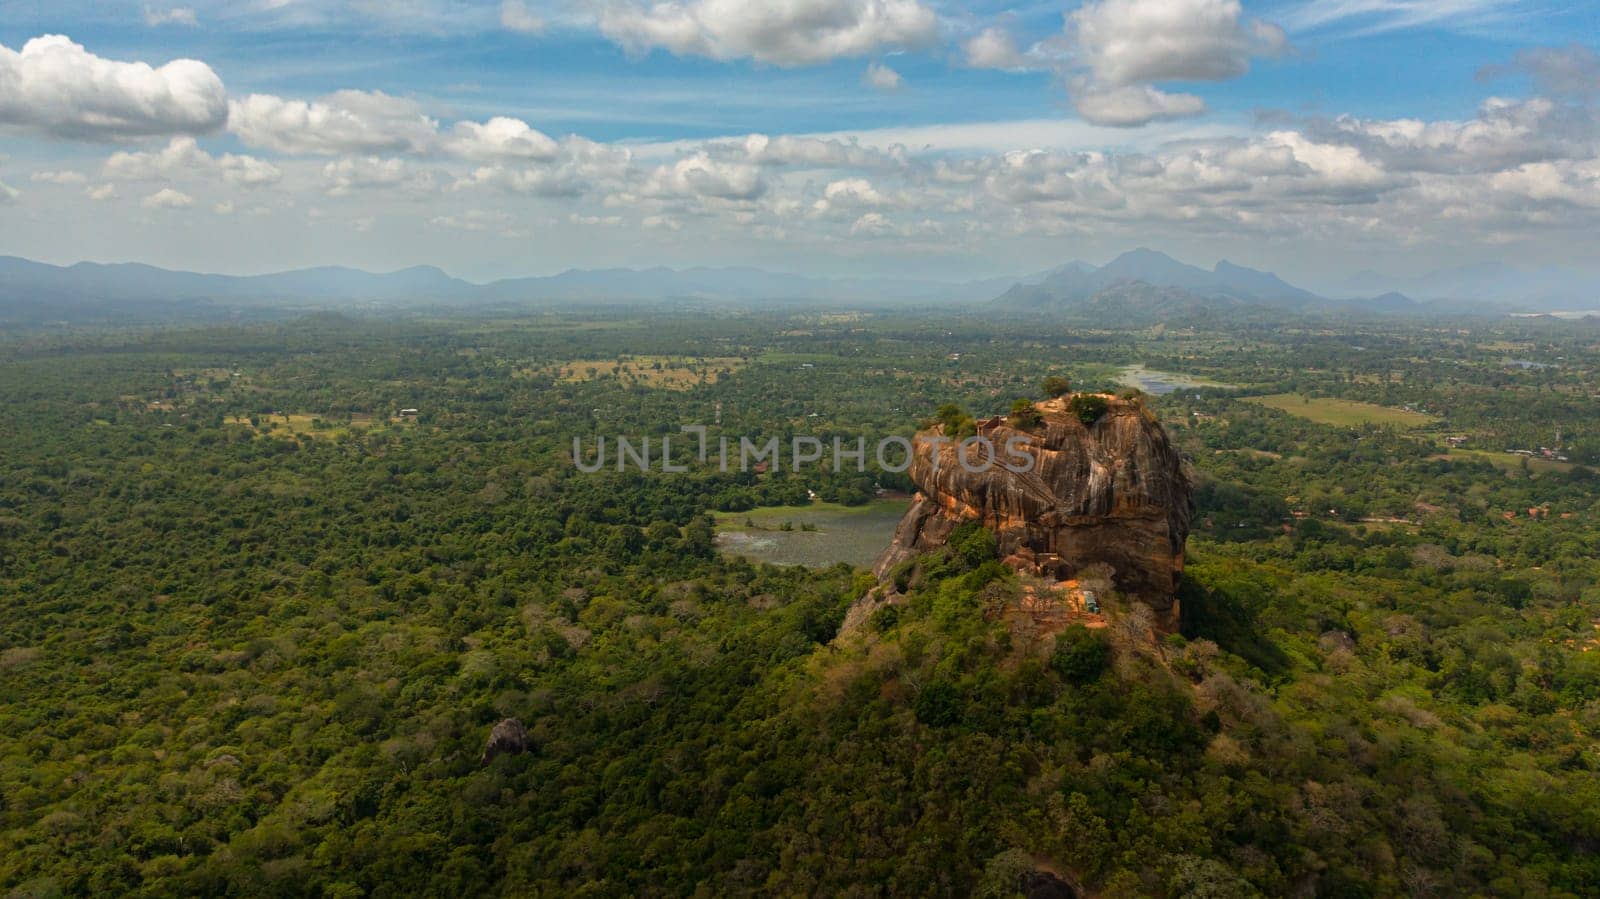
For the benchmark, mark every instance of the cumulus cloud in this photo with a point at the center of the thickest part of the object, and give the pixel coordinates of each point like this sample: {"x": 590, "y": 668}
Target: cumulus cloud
{"x": 808, "y": 152}
{"x": 500, "y": 139}
{"x": 183, "y": 158}
{"x": 882, "y": 77}
{"x": 345, "y": 176}
{"x": 1126, "y": 46}
{"x": 515, "y": 16}
{"x": 701, "y": 176}
{"x": 167, "y": 198}
{"x": 994, "y": 48}
{"x": 101, "y": 192}
{"x": 849, "y": 194}
{"x": 1132, "y": 105}
{"x": 8, "y": 194}
{"x": 1505, "y": 133}
{"x": 348, "y": 121}
{"x": 792, "y": 33}
{"x": 57, "y": 88}
{"x": 578, "y": 166}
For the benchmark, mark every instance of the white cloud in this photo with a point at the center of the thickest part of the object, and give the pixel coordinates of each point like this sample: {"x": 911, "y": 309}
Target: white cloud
{"x": 849, "y": 194}
{"x": 167, "y": 198}
{"x": 701, "y": 176}
{"x": 1505, "y": 133}
{"x": 808, "y": 152}
{"x": 223, "y": 207}
{"x": 790, "y": 33}
{"x": 101, "y": 192}
{"x": 515, "y": 16}
{"x": 1367, "y": 17}
{"x": 579, "y": 166}
{"x": 1133, "y": 105}
{"x": 347, "y": 121}
{"x": 994, "y": 48}
{"x": 345, "y": 176}
{"x": 1141, "y": 41}
{"x": 57, "y": 88}
{"x": 1126, "y": 46}
{"x": 63, "y": 177}
{"x": 500, "y": 139}
{"x": 882, "y": 77}
{"x": 8, "y": 194}
{"x": 176, "y": 15}
{"x": 183, "y": 158}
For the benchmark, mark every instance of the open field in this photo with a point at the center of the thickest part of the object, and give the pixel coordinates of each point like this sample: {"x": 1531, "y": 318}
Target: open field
{"x": 665, "y": 372}
{"x": 1508, "y": 461}
{"x": 300, "y": 424}
{"x": 1344, "y": 413}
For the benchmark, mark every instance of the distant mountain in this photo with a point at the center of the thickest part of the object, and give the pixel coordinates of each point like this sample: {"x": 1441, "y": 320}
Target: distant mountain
{"x": 1079, "y": 286}
{"x": 33, "y": 292}
{"x": 1391, "y": 303}
{"x": 1485, "y": 284}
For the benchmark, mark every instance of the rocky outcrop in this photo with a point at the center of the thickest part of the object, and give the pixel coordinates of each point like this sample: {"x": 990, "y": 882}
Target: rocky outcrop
{"x": 1110, "y": 499}
{"x": 509, "y": 737}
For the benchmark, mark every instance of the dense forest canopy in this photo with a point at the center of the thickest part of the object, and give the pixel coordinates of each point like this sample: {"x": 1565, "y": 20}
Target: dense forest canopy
{"x": 258, "y": 624}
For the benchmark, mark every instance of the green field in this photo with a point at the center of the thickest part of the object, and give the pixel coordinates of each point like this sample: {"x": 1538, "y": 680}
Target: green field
{"x": 1345, "y": 413}
{"x": 1509, "y": 461}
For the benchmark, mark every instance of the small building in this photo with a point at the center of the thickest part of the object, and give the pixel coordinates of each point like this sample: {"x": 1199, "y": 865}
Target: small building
{"x": 409, "y": 413}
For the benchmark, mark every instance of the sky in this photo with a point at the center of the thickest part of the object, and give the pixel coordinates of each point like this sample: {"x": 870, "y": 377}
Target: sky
{"x": 498, "y": 138}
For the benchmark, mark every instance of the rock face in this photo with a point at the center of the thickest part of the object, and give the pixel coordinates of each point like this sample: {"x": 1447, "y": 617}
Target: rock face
{"x": 1112, "y": 493}
{"x": 509, "y": 737}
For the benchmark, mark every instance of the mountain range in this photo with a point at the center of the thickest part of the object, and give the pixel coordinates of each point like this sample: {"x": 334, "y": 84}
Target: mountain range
{"x": 37, "y": 292}
{"x": 1139, "y": 285}
{"x": 1079, "y": 285}
{"x": 1531, "y": 289}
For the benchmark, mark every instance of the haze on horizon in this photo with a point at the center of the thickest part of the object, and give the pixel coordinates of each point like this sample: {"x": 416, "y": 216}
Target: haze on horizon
{"x": 877, "y": 137}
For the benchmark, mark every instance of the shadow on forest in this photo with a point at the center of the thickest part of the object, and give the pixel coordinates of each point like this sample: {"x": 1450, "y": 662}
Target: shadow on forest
{"x": 1230, "y": 620}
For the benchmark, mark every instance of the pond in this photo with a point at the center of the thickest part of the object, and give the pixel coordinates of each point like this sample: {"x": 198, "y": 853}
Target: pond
{"x": 1161, "y": 383}
{"x": 820, "y": 535}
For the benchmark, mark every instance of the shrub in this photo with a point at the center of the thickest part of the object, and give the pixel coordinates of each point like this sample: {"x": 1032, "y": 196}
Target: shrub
{"x": 885, "y": 618}
{"x": 1055, "y": 386}
{"x": 1024, "y": 416}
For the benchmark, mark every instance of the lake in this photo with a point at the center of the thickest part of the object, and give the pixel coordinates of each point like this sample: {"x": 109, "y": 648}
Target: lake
{"x": 1161, "y": 383}
{"x": 852, "y": 534}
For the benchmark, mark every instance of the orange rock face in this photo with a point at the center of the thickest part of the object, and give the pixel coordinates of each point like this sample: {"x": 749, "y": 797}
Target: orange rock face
{"x": 1114, "y": 493}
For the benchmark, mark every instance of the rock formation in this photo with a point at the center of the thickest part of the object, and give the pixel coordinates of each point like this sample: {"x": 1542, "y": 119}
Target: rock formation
{"x": 509, "y": 737}
{"x": 1109, "y": 497}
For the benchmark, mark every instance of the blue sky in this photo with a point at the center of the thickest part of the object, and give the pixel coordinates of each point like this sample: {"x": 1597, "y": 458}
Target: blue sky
{"x": 1306, "y": 136}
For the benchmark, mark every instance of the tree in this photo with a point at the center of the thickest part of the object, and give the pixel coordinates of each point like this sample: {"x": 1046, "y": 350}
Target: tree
{"x": 1055, "y": 386}
{"x": 1088, "y": 407}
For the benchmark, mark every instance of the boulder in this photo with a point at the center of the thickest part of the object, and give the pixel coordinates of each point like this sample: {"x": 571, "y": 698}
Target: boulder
{"x": 509, "y": 737}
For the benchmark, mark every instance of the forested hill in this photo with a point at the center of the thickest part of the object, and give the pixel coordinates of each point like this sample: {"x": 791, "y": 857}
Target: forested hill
{"x": 258, "y": 626}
